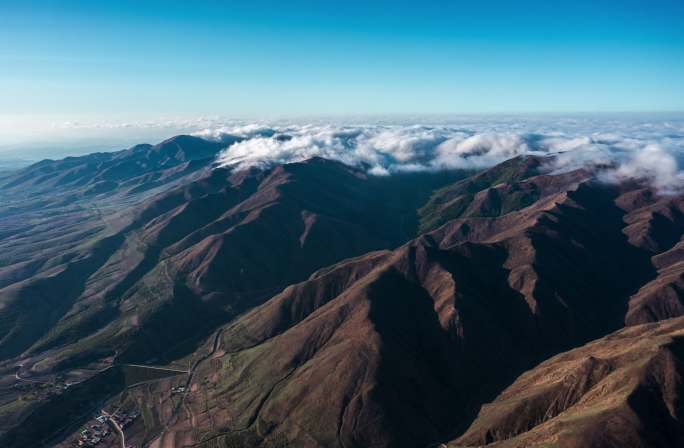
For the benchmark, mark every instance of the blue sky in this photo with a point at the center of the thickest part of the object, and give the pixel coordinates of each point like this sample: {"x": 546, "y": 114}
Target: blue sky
{"x": 140, "y": 60}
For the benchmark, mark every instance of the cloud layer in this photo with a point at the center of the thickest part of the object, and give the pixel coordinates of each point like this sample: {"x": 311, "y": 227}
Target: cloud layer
{"x": 652, "y": 150}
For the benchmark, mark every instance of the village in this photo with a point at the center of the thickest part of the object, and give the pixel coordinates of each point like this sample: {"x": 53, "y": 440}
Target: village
{"x": 99, "y": 432}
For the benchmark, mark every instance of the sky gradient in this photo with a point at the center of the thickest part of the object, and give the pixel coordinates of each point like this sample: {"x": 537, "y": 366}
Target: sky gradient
{"x": 129, "y": 61}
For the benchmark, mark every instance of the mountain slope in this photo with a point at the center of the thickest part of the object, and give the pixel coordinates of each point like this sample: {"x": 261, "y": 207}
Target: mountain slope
{"x": 622, "y": 390}
{"x": 133, "y": 170}
{"x": 208, "y": 249}
{"x": 148, "y": 283}
{"x": 508, "y": 186}
{"x": 399, "y": 345}
{"x": 400, "y": 348}
{"x": 657, "y": 226}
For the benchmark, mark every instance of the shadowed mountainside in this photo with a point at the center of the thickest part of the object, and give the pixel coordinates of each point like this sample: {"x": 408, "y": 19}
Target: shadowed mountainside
{"x": 399, "y": 345}
{"x": 209, "y": 249}
{"x": 401, "y": 348}
{"x": 622, "y": 390}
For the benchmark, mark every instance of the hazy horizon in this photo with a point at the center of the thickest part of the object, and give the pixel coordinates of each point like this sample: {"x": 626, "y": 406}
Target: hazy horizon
{"x": 74, "y": 138}
{"x": 111, "y": 74}
{"x": 81, "y": 77}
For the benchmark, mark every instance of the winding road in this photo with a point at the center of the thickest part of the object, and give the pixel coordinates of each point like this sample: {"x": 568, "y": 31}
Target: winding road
{"x": 26, "y": 380}
{"x": 191, "y": 374}
{"x": 116, "y": 426}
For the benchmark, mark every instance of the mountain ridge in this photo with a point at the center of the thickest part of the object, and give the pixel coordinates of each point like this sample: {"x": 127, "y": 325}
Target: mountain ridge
{"x": 319, "y": 304}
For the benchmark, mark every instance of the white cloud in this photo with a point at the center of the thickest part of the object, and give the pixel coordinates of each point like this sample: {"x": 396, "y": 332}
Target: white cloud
{"x": 645, "y": 147}
{"x": 654, "y": 165}
{"x": 622, "y": 148}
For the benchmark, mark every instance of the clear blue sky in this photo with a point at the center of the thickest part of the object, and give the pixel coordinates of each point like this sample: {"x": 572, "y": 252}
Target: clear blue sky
{"x": 142, "y": 59}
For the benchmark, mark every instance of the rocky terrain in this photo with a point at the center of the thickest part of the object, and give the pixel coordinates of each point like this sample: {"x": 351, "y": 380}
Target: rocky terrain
{"x": 621, "y": 390}
{"x": 310, "y": 304}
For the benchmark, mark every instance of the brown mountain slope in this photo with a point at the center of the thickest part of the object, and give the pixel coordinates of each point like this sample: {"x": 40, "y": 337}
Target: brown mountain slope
{"x": 391, "y": 348}
{"x": 152, "y": 284}
{"x": 53, "y": 251}
{"x": 625, "y": 389}
{"x": 209, "y": 249}
{"x": 52, "y": 208}
{"x": 356, "y": 356}
{"x": 472, "y": 196}
{"x": 139, "y": 168}
{"x": 657, "y": 226}
{"x": 506, "y": 187}
{"x": 662, "y": 297}
{"x": 400, "y": 348}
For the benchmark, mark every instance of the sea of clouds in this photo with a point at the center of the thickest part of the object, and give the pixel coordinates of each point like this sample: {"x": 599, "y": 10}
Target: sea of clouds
{"x": 624, "y": 147}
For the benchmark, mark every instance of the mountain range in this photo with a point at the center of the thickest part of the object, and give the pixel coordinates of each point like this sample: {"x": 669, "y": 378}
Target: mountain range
{"x": 311, "y": 304}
